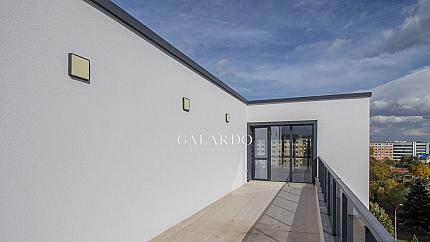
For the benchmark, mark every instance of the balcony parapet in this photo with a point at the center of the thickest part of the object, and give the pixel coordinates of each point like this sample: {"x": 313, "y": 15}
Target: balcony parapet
{"x": 350, "y": 219}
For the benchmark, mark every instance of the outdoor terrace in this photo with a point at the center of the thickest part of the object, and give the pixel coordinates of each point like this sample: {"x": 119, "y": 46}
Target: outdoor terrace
{"x": 279, "y": 211}
{"x": 257, "y": 211}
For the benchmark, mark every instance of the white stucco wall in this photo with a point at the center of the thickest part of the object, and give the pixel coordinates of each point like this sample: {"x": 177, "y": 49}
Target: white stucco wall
{"x": 342, "y": 134}
{"x": 100, "y": 162}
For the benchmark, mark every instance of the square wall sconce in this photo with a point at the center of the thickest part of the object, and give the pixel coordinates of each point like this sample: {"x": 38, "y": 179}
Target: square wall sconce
{"x": 186, "y": 105}
{"x": 227, "y": 117}
{"x": 79, "y": 67}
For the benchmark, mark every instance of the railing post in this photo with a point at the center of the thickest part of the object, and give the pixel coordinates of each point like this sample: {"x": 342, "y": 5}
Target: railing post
{"x": 326, "y": 174}
{"x": 328, "y": 185}
{"x": 323, "y": 178}
{"x": 317, "y": 160}
{"x": 346, "y": 220}
{"x": 368, "y": 236}
{"x": 334, "y": 208}
{"x": 328, "y": 195}
{"x": 350, "y": 223}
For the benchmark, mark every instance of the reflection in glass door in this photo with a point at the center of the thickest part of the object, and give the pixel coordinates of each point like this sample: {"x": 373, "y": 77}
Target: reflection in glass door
{"x": 283, "y": 153}
{"x": 302, "y": 153}
{"x": 280, "y": 153}
{"x": 260, "y": 156}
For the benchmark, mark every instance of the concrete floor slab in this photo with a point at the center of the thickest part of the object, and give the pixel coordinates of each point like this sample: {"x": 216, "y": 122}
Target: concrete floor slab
{"x": 292, "y": 216}
{"x": 257, "y": 211}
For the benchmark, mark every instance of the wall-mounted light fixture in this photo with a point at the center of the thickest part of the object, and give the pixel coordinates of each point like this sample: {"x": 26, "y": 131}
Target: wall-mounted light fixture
{"x": 186, "y": 104}
{"x": 79, "y": 67}
{"x": 227, "y": 117}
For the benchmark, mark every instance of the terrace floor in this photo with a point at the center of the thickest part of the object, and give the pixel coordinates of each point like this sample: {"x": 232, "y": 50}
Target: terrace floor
{"x": 257, "y": 211}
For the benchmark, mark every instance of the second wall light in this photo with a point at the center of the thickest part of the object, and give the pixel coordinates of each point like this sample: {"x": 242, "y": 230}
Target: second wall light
{"x": 186, "y": 104}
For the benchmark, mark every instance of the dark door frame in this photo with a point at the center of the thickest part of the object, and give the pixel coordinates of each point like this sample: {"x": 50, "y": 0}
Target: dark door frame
{"x": 268, "y": 149}
{"x": 251, "y": 125}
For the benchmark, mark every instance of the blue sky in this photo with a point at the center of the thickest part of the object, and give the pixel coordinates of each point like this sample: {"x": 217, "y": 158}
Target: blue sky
{"x": 272, "y": 49}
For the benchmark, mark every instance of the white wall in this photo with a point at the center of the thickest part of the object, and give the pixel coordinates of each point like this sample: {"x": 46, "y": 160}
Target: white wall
{"x": 100, "y": 162}
{"x": 343, "y": 134}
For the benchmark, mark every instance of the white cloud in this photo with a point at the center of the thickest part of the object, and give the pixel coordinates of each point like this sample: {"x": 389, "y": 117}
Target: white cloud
{"x": 325, "y": 73}
{"x": 337, "y": 44}
{"x": 416, "y": 132}
{"x": 413, "y": 32}
{"x": 407, "y": 95}
{"x": 401, "y": 108}
{"x": 380, "y": 119}
{"x": 387, "y": 33}
{"x": 223, "y": 68}
{"x": 379, "y": 104}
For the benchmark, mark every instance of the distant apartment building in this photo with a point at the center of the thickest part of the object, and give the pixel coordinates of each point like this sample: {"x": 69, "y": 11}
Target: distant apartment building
{"x": 412, "y": 148}
{"x": 382, "y": 151}
{"x": 397, "y": 149}
{"x": 421, "y": 148}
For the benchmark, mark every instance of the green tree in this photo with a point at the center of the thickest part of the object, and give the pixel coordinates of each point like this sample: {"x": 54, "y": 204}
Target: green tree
{"x": 421, "y": 170}
{"x": 381, "y": 181}
{"x": 391, "y": 197}
{"x": 406, "y": 158}
{"x": 402, "y": 164}
{"x": 416, "y": 208}
{"x": 390, "y": 162}
{"x": 379, "y": 171}
{"x": 382, "y": 217}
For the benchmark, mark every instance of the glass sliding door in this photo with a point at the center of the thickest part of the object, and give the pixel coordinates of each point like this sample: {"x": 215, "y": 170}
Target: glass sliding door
{"x": 283, "y": 152}
{"x": 260, "y": 156}
{"x": 280, "y": 153}
{"x": 302, "y": 140}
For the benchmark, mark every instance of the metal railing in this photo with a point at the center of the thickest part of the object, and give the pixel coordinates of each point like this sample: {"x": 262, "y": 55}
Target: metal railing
{"x": 349, "y": 218}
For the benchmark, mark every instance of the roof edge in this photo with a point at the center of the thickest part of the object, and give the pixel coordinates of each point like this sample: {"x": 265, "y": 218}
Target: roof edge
{"x": 312, "y": 98}
{"x": 116, "y": 12}
{"x": 159, "y": 42}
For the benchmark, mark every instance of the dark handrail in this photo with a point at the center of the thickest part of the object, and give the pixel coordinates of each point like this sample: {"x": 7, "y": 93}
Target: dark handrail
{"x": 375, "y": 227}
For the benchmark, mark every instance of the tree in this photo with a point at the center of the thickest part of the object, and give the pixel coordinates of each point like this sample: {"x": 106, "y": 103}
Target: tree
{"x": 379, "y": 171}
{"x": 390, "y": 162}
{"x": 382, "y": 217}
{"x": 416, "y": 208}
{"x": 371, "y": 151}
{"x": 402, "y": 165}
{"x": 421, "y": 170}
{"x": 414, "y": 238}
{"x": 384, "y": 189}
{"x": 391, "y": 197}
{"x": 406, "y": 158}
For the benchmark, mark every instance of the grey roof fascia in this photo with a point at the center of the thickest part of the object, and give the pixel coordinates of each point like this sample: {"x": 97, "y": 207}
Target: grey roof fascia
{"x": 312, "y": 98}
{"x": 136, "y": 25}
{"x": 118, "y": 13}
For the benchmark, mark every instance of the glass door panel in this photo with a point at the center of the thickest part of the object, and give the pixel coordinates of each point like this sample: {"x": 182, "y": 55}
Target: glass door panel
{"x": 302, "y": 153}
{"x": 280, "y": 146}
{"x": 282, "y": 153}
{"x": 260, "y": 171}
{"x": 287, "y": 148}
{"x": 260, "y": 153}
